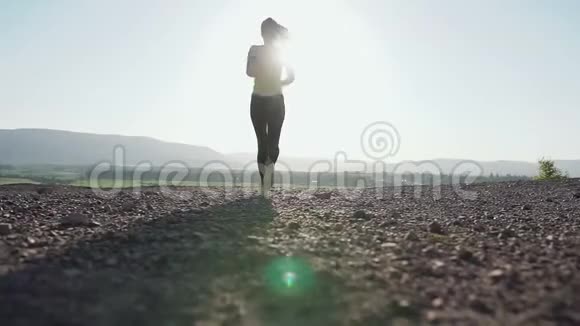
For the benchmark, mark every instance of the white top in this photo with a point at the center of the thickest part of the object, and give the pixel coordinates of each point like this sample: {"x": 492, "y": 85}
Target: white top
{"x": 265, "y": 65}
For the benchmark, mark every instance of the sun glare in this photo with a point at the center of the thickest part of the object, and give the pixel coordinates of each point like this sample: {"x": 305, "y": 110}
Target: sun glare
{"x": 328, "y": 40}
{"x": 332, "y": 50}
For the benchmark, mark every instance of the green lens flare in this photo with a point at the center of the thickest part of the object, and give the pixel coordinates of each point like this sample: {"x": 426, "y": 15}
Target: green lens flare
{"x": 289, "y": 276}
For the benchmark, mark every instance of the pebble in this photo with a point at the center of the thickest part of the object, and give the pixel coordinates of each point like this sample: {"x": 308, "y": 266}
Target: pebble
{"x": 496, "y": 274}
{"x": 293, "y": 226}
{"x": 78, "y": 220}
{"x": 437, "y": 303}
{"x": 323, "y": 195}
{"x": 5, "y": 228}
{"x": 435, "y": 227}
{"x": 75, "y": 220}
{"x": 359, "y": 214}
{"x": 506, "y": 234}
{"x": 411, "y": 236}
{"x": 464, "y": 254}
{"x": 478, "y": 228}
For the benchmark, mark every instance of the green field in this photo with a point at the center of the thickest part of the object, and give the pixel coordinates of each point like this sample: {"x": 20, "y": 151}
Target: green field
{"x": 79, "y": 176}
{"x": 8, "y": 181}
{"x": 110, "y": 183}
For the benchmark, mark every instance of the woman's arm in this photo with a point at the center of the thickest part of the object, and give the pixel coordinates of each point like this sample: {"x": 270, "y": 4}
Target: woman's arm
{"x": 290, "y": 76}
{"x": 252, "y": 63}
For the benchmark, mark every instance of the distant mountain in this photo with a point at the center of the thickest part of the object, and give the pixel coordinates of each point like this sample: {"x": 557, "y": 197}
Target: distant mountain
{"x": 44, "y": 146}
{"x": 445, "y": 165}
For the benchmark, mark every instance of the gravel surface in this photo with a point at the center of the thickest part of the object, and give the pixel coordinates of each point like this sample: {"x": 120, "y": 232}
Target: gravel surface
{"x": 195, "y": 256}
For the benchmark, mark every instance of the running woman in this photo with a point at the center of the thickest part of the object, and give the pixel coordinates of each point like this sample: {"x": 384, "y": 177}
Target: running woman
{"x": 267, "y": 108}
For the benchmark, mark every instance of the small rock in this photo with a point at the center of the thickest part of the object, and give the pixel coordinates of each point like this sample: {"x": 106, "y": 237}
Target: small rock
{"x": 411, "y": 236}
{"x": 432, "y": 316}
{"x": 78, "y": 220}
{"x": 359, "y": 215}
{"x": 254, "y": 238}
{"x": 576, "y": 195}
{"x": 127, "y": 207}
{"x": 94, "y": 224}
{"x": 388, "y": 223}
{"x": 506, "y": 234}
{"x": 75, "y": 220}
{"x": 293, "y": 226}
{"x": 28, "y": 252}
{"x": 323, "y": 195}
{"x": 42, "y": 191}
{"x": 437, "y": 264}
{"x": 437, "y": 303}
{"x": 526, "y": 208}
{"x": 478, "y": 228}
{"x": 389, "y": 245}
{"x": 395, "y": 216}
{"x": 435, "y": 227}
{"x": 550, "y": 238}
{"x": 496, "y": 274}
{"x": 464, "y": 254}
{"x": 5, "y": 228}
{"x": 429, "y": 250}
{"x": 562, "y": 237}
{"x": 479, "y": 305}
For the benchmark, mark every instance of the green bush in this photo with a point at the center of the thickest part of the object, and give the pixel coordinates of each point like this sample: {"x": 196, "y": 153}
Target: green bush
{"x": 549, "y": 171}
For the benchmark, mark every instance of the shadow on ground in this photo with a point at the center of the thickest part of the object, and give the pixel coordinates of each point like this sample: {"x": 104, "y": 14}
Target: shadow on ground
{"x": 187, "y": 270}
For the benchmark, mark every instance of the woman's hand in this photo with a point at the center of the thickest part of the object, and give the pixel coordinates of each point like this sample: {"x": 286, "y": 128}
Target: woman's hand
{"x": 290, "y": 76}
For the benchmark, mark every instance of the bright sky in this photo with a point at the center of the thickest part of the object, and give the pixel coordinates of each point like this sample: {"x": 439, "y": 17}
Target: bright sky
{"x": 486, "y": 80}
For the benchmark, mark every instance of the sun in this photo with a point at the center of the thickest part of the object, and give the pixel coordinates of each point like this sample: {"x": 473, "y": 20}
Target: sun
{"x": 334, "y": 52}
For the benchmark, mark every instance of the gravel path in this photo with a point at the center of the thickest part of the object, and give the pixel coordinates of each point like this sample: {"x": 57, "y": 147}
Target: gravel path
{"x": 511, "y": 256}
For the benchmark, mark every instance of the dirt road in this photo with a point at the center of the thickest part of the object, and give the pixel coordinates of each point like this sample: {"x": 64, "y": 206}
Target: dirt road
{"x": 510, "y": 256}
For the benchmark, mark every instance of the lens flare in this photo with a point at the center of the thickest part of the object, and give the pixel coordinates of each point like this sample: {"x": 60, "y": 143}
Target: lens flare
{"x": 289, "y": 276}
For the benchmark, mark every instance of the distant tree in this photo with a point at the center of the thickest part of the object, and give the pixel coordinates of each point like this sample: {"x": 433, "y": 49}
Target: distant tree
{"x": 549, "y": 171}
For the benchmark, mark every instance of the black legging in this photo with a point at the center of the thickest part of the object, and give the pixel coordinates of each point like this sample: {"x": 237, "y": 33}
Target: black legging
{"x": 267, "y": 114}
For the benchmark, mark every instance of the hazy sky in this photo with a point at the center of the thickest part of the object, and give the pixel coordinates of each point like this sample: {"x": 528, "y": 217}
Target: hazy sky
{"x": 487, "y": 79}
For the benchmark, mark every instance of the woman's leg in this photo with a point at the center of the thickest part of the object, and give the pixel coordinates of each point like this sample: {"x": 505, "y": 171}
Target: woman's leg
{"x": 258, "y": 113}
{"x": 276, "y": 115}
